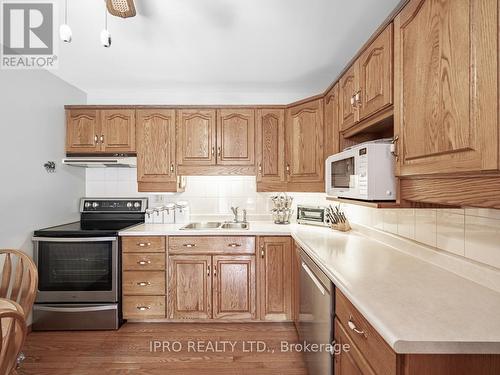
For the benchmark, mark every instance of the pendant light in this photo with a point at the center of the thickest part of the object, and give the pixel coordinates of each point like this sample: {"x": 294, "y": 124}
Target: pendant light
{"x": 65, "y": 32}
{"x": 105, "y": 34}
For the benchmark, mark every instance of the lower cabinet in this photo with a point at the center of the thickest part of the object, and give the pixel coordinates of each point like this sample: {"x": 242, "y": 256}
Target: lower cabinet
{"x": 275, "y": 278}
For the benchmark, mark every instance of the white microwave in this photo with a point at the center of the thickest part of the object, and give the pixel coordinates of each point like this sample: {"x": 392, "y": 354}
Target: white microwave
{"x": 364, "y": 171}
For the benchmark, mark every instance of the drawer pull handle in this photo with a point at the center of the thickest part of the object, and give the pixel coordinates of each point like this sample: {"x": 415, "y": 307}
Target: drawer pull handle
{"x": 189, "y": 245}
{"x": 144, "y": 262}
{"x": 234, "y": 245}
{"x": 143, "y": 283}
{"x": 143, "y": 308}
{"x": 353, "y": 327}
{"x": 144, "y": 244}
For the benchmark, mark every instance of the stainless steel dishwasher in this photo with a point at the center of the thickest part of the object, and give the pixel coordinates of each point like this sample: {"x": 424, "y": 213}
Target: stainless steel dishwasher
{"x": 315, "y": 315}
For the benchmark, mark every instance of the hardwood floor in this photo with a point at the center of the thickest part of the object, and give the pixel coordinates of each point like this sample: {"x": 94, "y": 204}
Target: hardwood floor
{"x": 128, "y": 350}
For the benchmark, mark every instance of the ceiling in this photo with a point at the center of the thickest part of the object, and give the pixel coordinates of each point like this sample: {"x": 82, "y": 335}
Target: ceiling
{"x": 241, "y": 46}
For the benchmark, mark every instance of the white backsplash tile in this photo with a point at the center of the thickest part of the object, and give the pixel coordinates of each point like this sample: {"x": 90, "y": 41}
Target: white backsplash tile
{"x": 425, "y": 226}
{"x": 451, "y": 231}
{"x": 470, "y": 232}
{"x": 482, "y": 240}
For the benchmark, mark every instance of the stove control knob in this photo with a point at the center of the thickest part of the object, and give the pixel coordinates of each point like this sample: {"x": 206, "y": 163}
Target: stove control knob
{"x": 129, "y": 204}
{"x": 137, "y": 205}
{"x": 95, "y": 205}
{"x": 87, "y": 204}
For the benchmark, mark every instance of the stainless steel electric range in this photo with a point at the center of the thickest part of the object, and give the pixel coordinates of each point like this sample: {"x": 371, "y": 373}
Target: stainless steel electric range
{"x": 79, "y": 266}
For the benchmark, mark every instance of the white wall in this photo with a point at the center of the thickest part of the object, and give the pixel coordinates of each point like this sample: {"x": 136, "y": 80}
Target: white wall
{"x": 32, "y": 128}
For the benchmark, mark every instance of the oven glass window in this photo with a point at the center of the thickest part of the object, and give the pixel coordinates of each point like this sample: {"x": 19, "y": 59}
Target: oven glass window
{"x": 341, "y": 172}
{"x": 75, "y": 266}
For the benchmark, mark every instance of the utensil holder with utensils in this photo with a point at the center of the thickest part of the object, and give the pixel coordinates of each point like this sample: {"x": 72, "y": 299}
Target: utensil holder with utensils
{"x": 282, "y": 208}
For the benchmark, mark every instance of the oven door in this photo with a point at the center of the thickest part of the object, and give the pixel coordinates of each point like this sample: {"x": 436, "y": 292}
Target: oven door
{"x": 76, "y": 269}
{"x": 341, "y": 179}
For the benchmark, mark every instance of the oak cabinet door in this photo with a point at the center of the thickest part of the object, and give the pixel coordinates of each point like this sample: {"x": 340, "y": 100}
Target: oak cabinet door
{"x": 304, "y": 147}
{"x": 348, "y": 88}
{"x": 271, "y": 145}
{"x": 234, "y": 287}
{"x": 446, "y": 86}
{"x": 332, "y": 136}
{"x": 118, "y": 130}
{"x": 236, "y": 137}
{"x": 275, "y": 284}
{"x": 189, "y": 287}
{"x": 156, "y": 146}
{"x": 82, "y": 131}
{"x": 196, "y": 137}
{"x": 375, "y": 75}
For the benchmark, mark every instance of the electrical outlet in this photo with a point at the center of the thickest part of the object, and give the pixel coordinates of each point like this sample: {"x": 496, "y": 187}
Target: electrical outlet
{"x": 158, "y": 199}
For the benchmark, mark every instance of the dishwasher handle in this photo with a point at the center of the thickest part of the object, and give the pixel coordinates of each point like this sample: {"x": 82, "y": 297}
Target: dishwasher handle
{"x": 314, "y": 278}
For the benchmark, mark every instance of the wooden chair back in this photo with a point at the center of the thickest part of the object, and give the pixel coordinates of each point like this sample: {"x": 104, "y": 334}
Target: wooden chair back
{"x": 19, "y": 278}
{"x": 12, "y": 333}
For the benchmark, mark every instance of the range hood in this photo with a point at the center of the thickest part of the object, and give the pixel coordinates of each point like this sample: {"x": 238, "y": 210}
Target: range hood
{"x": 101, "y": 162}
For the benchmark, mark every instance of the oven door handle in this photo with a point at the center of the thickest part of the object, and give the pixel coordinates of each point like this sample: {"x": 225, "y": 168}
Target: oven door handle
{"x": 74, "y": 309}
{"x": 70, "y": 239}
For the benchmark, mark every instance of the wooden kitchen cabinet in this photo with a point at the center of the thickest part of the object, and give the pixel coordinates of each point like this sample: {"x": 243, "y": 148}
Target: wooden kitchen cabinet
{"x": 105, "y": 131}
{"x": 234, "y": 287}
{"x": 196, "y": 136}
{"x": 270, "y": 149}
{"x": 275, "y": 278}
{"x": 348, "y": 89}
{"x": 190, "y": 287}
{"x": 82, "y": 131}
{"x": 446, "y": 87}
{"x": 156, "y": 165}
{"x": 304, "y": 145}
{"x": 236, "y": 137}
{"x": 332, "y": 128}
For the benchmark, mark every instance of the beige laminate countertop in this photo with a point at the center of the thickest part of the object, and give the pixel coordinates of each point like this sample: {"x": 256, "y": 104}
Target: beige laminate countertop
{"x": 416, "y": 307}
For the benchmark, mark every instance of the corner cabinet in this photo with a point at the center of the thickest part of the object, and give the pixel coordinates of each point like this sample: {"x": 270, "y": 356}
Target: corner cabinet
{"x": 106, "y": 131}
{"x": 304, "y": 146}
{"x": 331, "y": 104}
{"x": 446, "y": 112}
{"x": 270, "y": 149}
{"x": 156, "y": 166}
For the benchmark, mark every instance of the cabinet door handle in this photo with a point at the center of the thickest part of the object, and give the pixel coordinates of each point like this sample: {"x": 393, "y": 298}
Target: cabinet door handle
{"x": 144, "y": 244}
{"x": 143, "y": 283}
{"x": 260, "y": 168}
{"x": 102, "y": 138}
{"x": 143, "y": 308}
{"x": 394, "y": 147}
{"x": 215, "y": 271}
{"x": 288, "y": 168}
{"x": 96, "y": 139}
{"x": 352, "y": 101}
{"x": 208, "y": 271}
{"x": 189, "y": 245}
{"x": 213, "y": 150}
{"x": 262, "y": 252}
{"x": 143, "y": 262}
{"x": 219, "y": 151}
{"x": 172, "y": 167}
{"x": 234, "y": 245}
{"x": 357, "y": 97}
{"x": 353, "y": 327}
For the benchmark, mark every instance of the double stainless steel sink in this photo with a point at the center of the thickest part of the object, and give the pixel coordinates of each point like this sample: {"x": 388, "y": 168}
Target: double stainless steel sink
{"x": 215, "y": 225}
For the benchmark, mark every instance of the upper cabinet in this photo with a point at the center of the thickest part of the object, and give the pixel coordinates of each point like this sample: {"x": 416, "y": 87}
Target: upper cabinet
{"x": 446, "y": 112}
{"x": 156, "y": 167}
{"x": 270, "y": 147}
{"x": 196, "y": 136}
{"x": 236, "y": 137}
{"x": 331, "y": 104}
{"x": 82, "y": 131}
{"x": 304, "y": 143}
{"x": 366, "y": 87}
{"x": 100, "y": 131}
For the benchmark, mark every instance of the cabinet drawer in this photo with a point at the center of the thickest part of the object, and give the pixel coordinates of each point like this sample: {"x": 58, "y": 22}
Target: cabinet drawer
{"x": 143, "y": 244}
{"x": 144, "y": 307}
{"x": 373, "y": 347}
{"x": 144, "y": 262}
{"x": 351, "y": 361}
{"x": 212, "y": 245}
{"x": 143, "y": 282}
